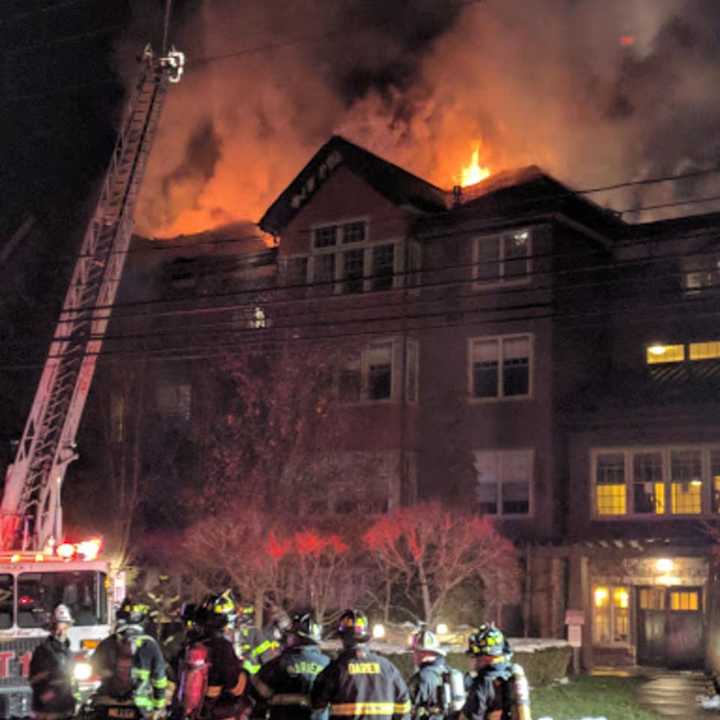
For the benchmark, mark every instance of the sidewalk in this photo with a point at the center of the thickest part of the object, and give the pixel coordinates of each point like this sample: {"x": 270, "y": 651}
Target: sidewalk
{"x": 674, "y": 695}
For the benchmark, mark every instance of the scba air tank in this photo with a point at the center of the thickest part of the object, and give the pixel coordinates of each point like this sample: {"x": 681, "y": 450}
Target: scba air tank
{"x": 521, "y": 694}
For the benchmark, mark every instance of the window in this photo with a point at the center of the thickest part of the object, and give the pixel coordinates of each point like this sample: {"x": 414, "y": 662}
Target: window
{"x": 610, "y": 484}
{"x": 663, "y": 481}
{"x": 378, "y": 360}
{"x": 374, "y": 374}
{"x": 686, "y": 482}
{"x": 7, "y": 601}
{"x": 500, "y": 367}
{"x": 503, "y": 258}
{"x": 658, "y": 353}
{"x": 83, "y": 592}
{"x": 684, "y": 600}
{"x": 701, "y": 273}
{"x": 503, "y": 481}
{"x": 611, "y": 615}
{"x": 342, "y": 255}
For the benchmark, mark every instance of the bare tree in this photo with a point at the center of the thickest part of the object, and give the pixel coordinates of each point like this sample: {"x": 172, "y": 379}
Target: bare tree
{"x": 434, "y": 550}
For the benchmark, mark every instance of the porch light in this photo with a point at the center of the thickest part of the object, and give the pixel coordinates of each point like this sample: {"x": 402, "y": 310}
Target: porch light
{"x": 664, "y": 565}
{"x": 657, "y": 349}
{"x": 378, "y": 631}
{"x": 442, "y": 629}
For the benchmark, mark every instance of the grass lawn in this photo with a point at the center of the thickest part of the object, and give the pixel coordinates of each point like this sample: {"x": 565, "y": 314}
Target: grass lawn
{"x": 590, "y": 697}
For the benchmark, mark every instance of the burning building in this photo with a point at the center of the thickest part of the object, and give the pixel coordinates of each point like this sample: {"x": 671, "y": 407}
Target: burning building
{"x": 509, "y": 347}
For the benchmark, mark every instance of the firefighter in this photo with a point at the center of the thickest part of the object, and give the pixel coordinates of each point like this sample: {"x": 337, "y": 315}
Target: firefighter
{"x": 359, "y": 682}
{"x": 130, "y": 664}
{"x": 227, "y": 681}
{"x": 436, "y": 690}
{"x": 51, "y": 670}
{"x": 498, "y": 688}
{"x": 257, "y": 646}
{"x": 283, "y": 684}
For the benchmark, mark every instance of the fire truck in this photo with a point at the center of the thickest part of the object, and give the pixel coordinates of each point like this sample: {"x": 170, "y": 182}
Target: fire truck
{"x": 38, "y": 569}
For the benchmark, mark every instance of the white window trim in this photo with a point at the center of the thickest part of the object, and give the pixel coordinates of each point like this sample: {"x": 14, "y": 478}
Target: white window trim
{"x": 501, "y": 398}
{"x": 531, "y": 496}
{"x": 665, "y": 450}
{"x": 501, "y": 281}
{"x": 366, "y": 246}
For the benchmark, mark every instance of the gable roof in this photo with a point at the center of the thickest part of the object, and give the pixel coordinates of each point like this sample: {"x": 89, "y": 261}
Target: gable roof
{"x": 528, "y": 191}
{"x": 391, "y": 181}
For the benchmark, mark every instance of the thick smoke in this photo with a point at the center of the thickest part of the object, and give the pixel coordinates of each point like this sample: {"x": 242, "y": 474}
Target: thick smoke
{"x": 593, "y": 92}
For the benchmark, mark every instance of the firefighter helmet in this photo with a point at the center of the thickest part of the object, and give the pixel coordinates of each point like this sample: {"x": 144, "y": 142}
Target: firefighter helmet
{"x": 246, "y": 615}
{"x": 302, "y": 629}
{"x": 61, "y": 614}
{"x": 220, "y": 610}
{"x": 423, "y": 640}
{"x": 353, "y": 627}
{"x": 487, "y": 641}
{"x": 132, "y": 613}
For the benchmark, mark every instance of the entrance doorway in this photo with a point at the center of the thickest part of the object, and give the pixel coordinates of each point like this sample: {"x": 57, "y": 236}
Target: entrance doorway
{"x": 670, "y": 627}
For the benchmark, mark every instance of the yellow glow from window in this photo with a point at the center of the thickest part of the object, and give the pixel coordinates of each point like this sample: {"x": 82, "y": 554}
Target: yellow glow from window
{"x": 705, "y": 350}
{"x": 601, "y": 597}
{"x": 686, "y": 498}
{"x": 621, "y": 598}
{"x": 684, "y": 601}
{"x": 610, "y": 499}
{"x": 659, "y": 498}
{"x": 658, "y": 353}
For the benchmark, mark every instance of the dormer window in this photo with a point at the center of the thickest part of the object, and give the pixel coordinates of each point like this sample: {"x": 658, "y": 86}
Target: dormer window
{"x": 503, "y": 258}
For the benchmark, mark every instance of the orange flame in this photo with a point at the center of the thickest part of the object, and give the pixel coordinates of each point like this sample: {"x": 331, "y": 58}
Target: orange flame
{"x": 474, "y": 172}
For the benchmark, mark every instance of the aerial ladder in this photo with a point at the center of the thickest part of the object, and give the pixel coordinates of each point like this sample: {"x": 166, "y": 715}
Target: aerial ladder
{"x": 30, "y": 512}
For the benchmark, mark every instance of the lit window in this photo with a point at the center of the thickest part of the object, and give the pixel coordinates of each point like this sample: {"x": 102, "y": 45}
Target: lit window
{"x": 651, "y": 599}
{"x": 705, "y": 350}
{"x": 500, "y": 367}
{"x": 684, "y": 600}
{"x": 610, "y": 488}
{"x": 611, "y": 615}
{"x": 657, "y": 353}
{"x": 502, "y": 258}
{"x": 686, "y": 482}
{"x": 503, "y": 481}
{"x": 648, "y": 483}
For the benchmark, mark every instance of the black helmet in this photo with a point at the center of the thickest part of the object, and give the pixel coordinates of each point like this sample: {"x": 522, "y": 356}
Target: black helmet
{"x": 487, "y": 641}
{"x": 353, "y": 627}
{"x": 220, "y": 610}
{"x": 132, "y": 613}
{"x": 302, "y": 629}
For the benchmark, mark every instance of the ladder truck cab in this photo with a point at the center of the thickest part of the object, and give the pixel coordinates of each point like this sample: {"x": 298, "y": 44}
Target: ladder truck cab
{"x": 38, "y": 569}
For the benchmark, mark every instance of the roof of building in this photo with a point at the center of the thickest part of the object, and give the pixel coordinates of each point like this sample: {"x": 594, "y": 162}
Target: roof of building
{"x": 391, "y": 181}
{"x": 520, "y": 194}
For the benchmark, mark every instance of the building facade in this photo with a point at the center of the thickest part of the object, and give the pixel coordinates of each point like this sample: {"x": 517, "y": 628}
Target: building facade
{"x": 510, "y": 348}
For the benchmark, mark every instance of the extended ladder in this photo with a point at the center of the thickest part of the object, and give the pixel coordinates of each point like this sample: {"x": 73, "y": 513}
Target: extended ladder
{"x": 30, "y": 513}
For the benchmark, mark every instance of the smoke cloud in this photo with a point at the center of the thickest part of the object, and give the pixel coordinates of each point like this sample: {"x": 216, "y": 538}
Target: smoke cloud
{"x": 593, "y": 92}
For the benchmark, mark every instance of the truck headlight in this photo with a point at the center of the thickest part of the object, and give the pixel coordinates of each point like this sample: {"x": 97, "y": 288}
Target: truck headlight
{"x": 82, "y": 671}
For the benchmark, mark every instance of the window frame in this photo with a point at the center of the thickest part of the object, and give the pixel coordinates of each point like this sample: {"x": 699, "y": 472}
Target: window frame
{"x": 501, "y": 453}
{"x": 687, "y": 348}
{"x": 399, "y": 372}
{"x": 611, "y": 587}
{"x": 629, "y": 452}
{"x": 501, "y": 279}
{"x": 367, "y": 247}
{"x": 501, "y": 397}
